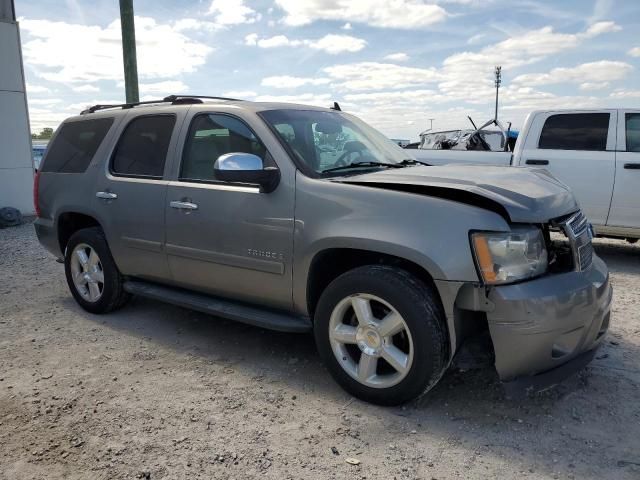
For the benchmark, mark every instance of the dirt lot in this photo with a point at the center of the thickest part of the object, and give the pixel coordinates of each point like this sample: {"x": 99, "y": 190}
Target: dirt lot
{"x": 155, "y": 391}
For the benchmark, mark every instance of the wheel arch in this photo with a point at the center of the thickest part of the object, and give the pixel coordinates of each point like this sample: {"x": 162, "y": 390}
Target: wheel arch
{"x": 69, "y": 222}
{"x": 329, "y": 263}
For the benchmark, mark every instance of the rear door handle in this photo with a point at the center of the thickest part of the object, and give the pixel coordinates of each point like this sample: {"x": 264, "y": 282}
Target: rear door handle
{"x": 537, "y": 162}
{"x": 106, "y": 195}
{"x": 632, "y": 166}
{"x": 183, "y": 205}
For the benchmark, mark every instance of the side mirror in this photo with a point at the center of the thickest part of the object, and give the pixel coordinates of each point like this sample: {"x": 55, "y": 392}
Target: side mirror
{"x": 246, "y": 168}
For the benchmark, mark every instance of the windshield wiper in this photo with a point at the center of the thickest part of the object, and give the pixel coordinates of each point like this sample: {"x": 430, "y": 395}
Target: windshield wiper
{"x": 413, "y": 161}
{"x": 363, "y": 164}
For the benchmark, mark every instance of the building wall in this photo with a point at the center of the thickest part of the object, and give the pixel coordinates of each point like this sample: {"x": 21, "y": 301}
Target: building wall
{"x": 16, "y": 163}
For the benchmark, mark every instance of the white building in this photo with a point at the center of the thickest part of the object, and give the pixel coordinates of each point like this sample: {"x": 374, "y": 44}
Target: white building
{"x": 16, "y": 164}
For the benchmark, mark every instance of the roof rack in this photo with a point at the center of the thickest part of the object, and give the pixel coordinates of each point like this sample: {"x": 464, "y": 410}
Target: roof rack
{"x": 172, "y": 99}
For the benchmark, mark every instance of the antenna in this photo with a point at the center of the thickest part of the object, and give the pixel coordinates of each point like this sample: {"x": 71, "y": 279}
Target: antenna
{"x": 498, "y": 81}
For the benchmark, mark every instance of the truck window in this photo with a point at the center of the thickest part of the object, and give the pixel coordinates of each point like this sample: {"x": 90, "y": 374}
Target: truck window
{"x": 575, "y": 131}
{"x": 213, "y": 135}
{"x": 632, "y": 131}
{"x": 142, "y": 148}
{"x": 75, "y": 145}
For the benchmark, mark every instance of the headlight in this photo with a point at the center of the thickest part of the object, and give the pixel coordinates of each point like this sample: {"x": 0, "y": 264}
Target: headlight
{"x": 510, "y": 256}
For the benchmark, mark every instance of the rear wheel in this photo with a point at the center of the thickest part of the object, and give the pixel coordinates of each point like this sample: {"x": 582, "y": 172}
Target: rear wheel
{"x": 381, "y": 333}
{"x": 92, "y": 275}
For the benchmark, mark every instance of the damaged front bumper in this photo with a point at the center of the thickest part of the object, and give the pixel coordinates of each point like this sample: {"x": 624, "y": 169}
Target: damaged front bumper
{"x": 545, "y": 329}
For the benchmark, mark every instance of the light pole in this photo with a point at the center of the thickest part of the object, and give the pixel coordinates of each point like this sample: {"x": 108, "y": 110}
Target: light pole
{"x": 498, "y": 73}
{"x": 129, "y": 51}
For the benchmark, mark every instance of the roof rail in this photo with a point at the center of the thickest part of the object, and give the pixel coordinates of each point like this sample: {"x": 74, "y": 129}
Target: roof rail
{"x": 173, "y": 99}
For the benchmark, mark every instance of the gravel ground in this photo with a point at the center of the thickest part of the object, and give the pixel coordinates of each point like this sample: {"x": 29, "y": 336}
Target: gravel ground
{"x": 155, "y": 391}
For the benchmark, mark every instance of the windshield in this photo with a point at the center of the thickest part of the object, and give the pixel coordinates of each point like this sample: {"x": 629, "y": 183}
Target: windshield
{"x": 324, "y": 141}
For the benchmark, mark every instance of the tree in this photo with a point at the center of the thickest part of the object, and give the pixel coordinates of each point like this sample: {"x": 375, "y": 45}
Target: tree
{"x": 45, "y": 134}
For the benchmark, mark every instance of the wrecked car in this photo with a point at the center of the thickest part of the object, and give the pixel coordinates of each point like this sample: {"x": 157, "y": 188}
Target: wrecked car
{"x": 306, "y": 219}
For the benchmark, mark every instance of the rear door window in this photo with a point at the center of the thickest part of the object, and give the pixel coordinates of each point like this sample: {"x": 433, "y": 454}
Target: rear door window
{"x": 575, "y": 131}
{"x": 142, "y": 148}
{"x": 632, "y": 131}
{"x": 75, "y": 145}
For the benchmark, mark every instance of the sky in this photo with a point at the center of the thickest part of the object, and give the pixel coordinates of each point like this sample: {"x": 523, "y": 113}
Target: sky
{"x": 394, "y": 63}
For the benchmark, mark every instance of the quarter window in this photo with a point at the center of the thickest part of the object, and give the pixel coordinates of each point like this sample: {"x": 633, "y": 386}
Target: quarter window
{"x": 632, "y": 131}
{"x": 575, "y": 131}
{"x": 213, "y": 135}
{"x": 75, "y": 145}
{"x": 142, "y": 148}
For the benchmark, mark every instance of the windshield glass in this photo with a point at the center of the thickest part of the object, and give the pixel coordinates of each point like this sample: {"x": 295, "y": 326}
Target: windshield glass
{"x": 326, "y": 140}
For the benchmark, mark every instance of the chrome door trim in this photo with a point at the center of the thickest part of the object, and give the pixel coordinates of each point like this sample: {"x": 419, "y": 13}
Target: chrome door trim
{"x": 215, "y": 186}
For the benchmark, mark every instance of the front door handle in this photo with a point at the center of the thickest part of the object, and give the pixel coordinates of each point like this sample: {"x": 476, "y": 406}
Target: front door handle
{"x": 632, "y": 166}
{"x": 106, "y": 195}
{"x": 537, "y": 162}
{"x": 183, "y": 205}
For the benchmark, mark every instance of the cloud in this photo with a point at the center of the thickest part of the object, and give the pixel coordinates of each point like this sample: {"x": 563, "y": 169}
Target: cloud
{"x": 232, "y": 12}
{"x": 634, "y": 52}
{"x": 377, "y": 76}
{"x": 37, "y": 89}
{"x": 587, "y": 86}
{"x": 166, "y": 87}
{"x": 240, "y": 94}
{"x": 403, "y": 14}
{"x": 73, "y": 53}
{"x": 347, "y": 26}
{"x": 286, "y": 81}
{"x": 318, "y": 100}
{"x": 602, "y": 27}
{"x": 44, "y": 101}
{"x": 626, "y": 94}
{"x": 185, "y": 24}
{"x": 86, "y": 88}
{"x": 331, "y": 43}
{"x": 592, "y": 73}
{"x": 468, "y": 76}
{"x": 397, "y": 57}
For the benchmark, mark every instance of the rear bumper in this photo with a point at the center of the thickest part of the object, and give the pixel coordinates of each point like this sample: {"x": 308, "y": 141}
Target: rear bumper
{"x": 48, "y": 236}
{"x": 548, "y": 328}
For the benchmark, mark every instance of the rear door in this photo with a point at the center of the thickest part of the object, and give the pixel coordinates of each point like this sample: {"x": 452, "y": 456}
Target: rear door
{"x": 227, "y": 239}
{"x": 625, "y": 206}
{"x": 130, "y": 196}
{"x": 579, "y": 149}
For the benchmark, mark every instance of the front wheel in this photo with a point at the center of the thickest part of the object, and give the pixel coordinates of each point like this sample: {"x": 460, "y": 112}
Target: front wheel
{"x": 381, "y": 333}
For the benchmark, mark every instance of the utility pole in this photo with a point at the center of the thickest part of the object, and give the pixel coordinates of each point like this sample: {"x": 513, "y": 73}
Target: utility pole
{"x": 129, "y": 51}
{"x": 431, "y": 121}
{"x": 498, "y": 73}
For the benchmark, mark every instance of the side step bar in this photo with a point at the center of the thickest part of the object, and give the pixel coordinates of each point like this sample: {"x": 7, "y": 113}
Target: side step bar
{"x": 270, "y": 319}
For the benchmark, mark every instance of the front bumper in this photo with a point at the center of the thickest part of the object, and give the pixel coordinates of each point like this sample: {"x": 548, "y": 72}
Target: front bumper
{"x": 538, "y": 327}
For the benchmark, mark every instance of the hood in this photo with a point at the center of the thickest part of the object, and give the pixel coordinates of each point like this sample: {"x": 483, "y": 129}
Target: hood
{"x": 520, "y": 194}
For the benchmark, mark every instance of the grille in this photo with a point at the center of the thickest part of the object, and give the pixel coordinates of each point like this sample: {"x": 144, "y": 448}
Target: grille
{"x": 578, "y": 224}
{"x": 585, "y": 255}
{"x": 577, "y": 230}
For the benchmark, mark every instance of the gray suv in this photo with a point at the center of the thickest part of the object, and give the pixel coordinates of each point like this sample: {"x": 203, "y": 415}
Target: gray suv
{"x": 302, "y": 219}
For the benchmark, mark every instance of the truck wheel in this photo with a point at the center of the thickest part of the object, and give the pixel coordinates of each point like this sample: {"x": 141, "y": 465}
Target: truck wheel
{"x": 381, "y": 333}
{"x": 92, "y": 275}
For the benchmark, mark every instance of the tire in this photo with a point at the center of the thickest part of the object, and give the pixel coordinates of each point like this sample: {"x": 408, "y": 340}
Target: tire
{"x": 418, "y": 354}
{"x": 88, "y": 274}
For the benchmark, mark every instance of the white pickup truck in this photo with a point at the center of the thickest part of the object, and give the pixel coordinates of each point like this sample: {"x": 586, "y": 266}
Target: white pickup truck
{"x": 595, "y": 152}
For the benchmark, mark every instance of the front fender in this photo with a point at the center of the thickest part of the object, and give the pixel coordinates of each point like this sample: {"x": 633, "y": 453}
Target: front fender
{"x": 430, "y": 232}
